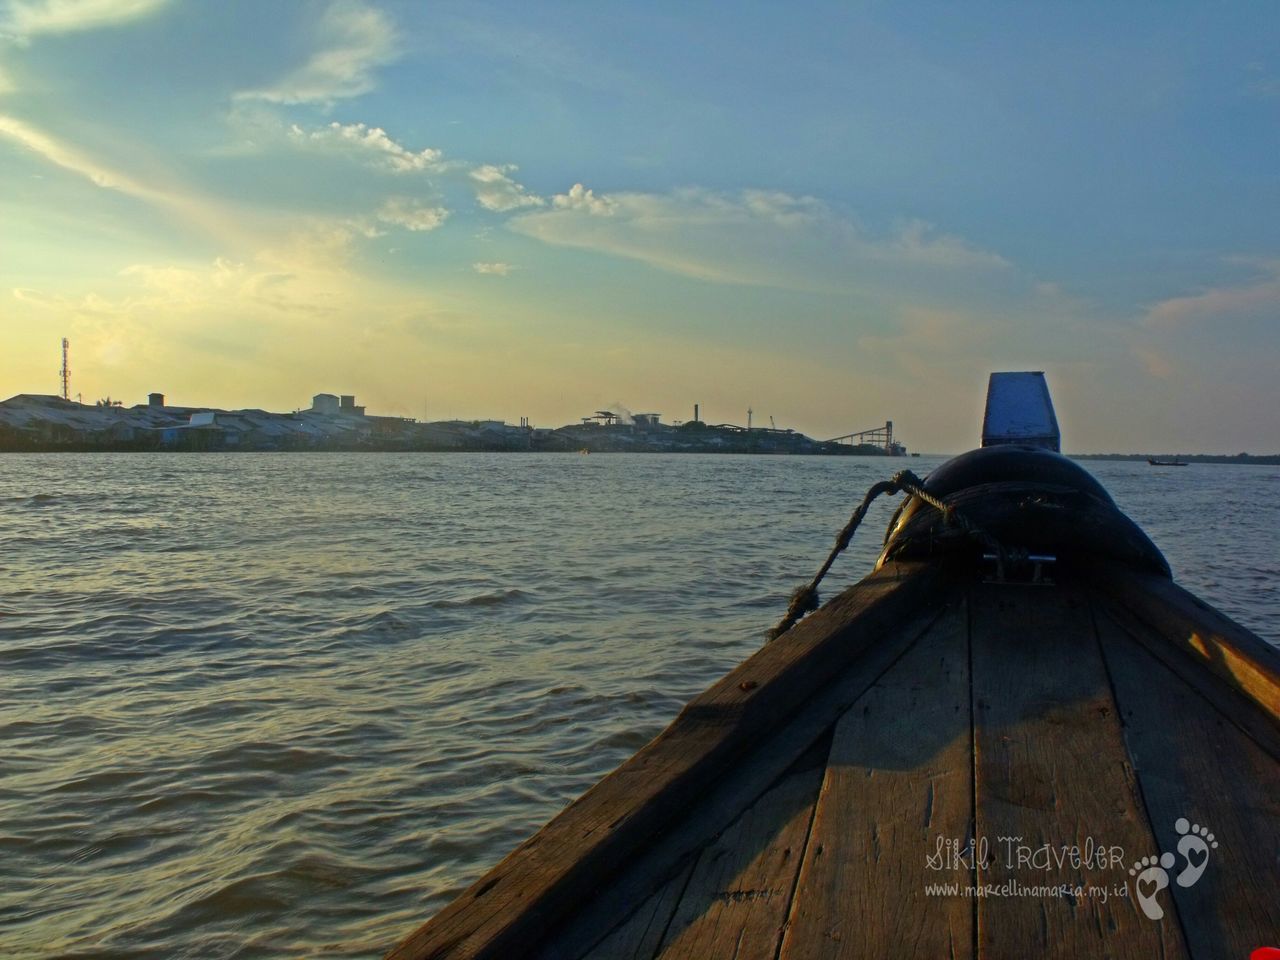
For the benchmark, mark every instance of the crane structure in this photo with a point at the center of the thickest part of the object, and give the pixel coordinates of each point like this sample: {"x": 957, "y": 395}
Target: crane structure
{"x": 876, "y": 437}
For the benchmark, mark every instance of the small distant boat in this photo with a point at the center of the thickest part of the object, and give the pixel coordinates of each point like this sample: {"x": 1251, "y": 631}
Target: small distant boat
{"x": 1166, "y": 463}
{"x": 1065, "y": 729}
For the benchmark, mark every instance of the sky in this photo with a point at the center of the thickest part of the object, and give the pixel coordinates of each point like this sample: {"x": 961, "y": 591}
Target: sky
{"x": 832, "y": 214}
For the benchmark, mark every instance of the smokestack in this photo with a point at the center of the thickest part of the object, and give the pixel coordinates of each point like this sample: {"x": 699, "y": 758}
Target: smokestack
{"x": 695, "y": 413}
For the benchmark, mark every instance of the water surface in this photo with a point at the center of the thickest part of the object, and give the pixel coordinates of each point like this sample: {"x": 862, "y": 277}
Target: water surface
{"x": 267, "y": 705}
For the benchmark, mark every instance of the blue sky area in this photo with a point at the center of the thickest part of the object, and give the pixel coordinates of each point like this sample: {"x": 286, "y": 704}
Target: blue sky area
{"x": 835, "y": 214}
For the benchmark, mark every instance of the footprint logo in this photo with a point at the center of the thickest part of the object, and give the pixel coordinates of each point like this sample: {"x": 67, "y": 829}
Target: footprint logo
{"x": 1152, "y": 876}
{"x": 1194, "y": 847}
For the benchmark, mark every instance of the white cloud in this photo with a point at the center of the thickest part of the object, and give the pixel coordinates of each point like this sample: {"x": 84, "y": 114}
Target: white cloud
{"x": 784, "y": 209}
{"x": 372, "y": 142}
{"x": 1184, "y": 336}
{"x": 174, "y": 288}
{"x": 755, "y": 237}
{"x": 69, "y": 158}
{"x": 492, "y": 184}
{"x": 580, "y": 198}
{"x": 1256, "y": 298}
{"x": 353, "y": 41}
{"x": 328, "y": 241}
{"x": 919, "y": 242}
{"x": 208, "y": 215}
{"x": 403, "y": 212}
{"x": 26, "y": 19}
{"x": 495, "y": 190}
{"x": 316, "y": 246}
{"x": 493, "y": 269}
{"x": 311, "y": 241}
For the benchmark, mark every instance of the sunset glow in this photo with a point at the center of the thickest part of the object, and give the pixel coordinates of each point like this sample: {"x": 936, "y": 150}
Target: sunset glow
{"x": 834, "y": 215}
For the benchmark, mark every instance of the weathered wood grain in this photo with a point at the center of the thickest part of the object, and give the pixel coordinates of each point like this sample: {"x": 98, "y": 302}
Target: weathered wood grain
{"x": 899, "y": 778}
{"x": 1052, "y": 772}
{"x": 510, "y": 909}
{"x": 1192, "y": 762}
{"x": 737, "y": 898}
{"x": 808, "y": 730}
{"x": 639, "y": 937}
{"x": 1225, "y": 695}
{"x": 1239, "y": 657}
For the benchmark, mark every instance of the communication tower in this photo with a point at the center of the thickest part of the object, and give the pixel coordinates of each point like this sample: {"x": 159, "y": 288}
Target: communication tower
{"x": 66, "y": 371}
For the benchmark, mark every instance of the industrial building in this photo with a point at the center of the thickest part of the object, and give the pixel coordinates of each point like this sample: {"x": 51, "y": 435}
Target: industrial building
{"x": 337, "y": 422}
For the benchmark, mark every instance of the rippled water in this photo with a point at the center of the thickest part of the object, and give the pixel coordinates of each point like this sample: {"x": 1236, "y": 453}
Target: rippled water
{"x": 270, "y": 705}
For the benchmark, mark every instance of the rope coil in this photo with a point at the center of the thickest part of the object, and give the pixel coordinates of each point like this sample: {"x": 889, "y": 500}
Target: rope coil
{"x": 805, "y": 598}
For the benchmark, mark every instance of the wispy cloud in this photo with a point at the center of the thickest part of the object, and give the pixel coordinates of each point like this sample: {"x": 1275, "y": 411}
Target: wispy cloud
{"x": 313, "y": 239}
{"x": 496, "y": 269}
{"x": 407, "y": 213}
{"x": 305, "y": 273}
{"x": 495, "y": 190}
{"x": 1257, "y": 297}
{"x": 753, "y": 237}
{"x": 371, "y": 143}
{"x": 23, "y": 20}
{"x": 214, "y": 218}
{"x": 492, "y": 184}
{"x": 70, "y": 158}
{"x": 353, "y": 40}
{"x": 1260, "y": 82}
{"x": 918, "y": 241}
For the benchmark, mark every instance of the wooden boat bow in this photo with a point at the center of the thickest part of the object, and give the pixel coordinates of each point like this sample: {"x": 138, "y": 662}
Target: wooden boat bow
{"x": 1098, "y": 754}
{"x": 523, "y": 898}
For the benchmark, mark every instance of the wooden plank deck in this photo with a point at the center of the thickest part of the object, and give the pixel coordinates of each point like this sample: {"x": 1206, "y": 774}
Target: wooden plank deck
{"x": 899, "y": 774}
{"x": 1053, "y": 775}
{"x": 1026, "y": 728}
{"x": 736, "y": 902}
{"x": 1197, "y": 770}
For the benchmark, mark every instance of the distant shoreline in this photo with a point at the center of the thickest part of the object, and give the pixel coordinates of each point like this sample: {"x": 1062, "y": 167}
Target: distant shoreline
{"x": 1268, "y": 459}
{"x": 1236, "y": 459}
{"x": 83, "y": 448}
{"x": 1247, "y": 459}
{"x": 37, "y": 423}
